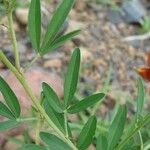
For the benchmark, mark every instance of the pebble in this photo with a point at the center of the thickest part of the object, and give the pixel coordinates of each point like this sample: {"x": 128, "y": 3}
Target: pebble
{"x": 54, "y": 63}
{"x": 22, "y": 15}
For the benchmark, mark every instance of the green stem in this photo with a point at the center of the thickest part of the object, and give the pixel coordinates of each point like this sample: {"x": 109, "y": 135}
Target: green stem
{"x": 26, "y": 119}
{"x": 13, "y": 39}
{"x": 35, "y": 101}
{"x": 32, "y": 62}
{"x": 38, "y": 128}
{"x": 141, "y": 140}
{"x": 136, "y": 129}
{"x": 66, "y": 123}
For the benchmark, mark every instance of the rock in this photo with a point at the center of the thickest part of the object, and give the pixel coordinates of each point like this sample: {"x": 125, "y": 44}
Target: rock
{"x": 22, "y": 15}
{"x": 35, "y": 78}
{"x": 133, "y": 11}
{"x": 54, "y": 63}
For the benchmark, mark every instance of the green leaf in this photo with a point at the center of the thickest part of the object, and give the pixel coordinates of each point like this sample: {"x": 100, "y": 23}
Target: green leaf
{"x": 71, "y": 77}
{"x": 85, "y": 103}
{"x": 8, "y": 125}
{"x": 55, "y": 24}
{"x": 52, "y": 98}
{"x": 87, "y": 133}
{"x": 61, "y": 40}
{"x": 101, "y": 143}
{"x": 140, "y": 97}
{"x": 116, "y": 128}
{"x": 4, "y": 111}
{"x": 53, "y": 142}
{"x": 34, "y": 24}
{"x": 10, "y": 98}
{"x": 57, "y": 118}
{"x": 31, "y": 147}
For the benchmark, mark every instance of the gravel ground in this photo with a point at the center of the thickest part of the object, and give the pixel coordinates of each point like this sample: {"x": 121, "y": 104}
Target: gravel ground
{"x": 101, "y": 47}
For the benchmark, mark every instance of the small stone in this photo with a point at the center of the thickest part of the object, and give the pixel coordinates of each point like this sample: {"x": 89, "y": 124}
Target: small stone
{"x": 22, "y": 15}
{"x": 80, "y": 5}
{"x": 54, "y": 63}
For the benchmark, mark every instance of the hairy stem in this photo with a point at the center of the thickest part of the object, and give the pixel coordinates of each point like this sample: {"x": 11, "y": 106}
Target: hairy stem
{"x": 13, "y": 39}
{"x": 35, "y": 101}
{"x": 38, "y": 128}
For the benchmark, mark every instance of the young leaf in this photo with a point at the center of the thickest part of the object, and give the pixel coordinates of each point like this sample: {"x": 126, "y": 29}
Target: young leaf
{"x": 87, "y": 133}
{"x": 4, "y": 111}
{"x": 116, "y": 128}
{"x": 52, "y": 98}
{"x": 57, "y": 118}
{"x": 101, "y": 143}
{"x": 140, "y": 97}
{"x": 53, "y": 142}
{"x": 31, "y": 147}
{"x": 8, "y": 125}
{"x": 34, "y": 24}
{"x": 10, "y": 98}
{"x": 85, "y": 103}
{"x": 55, "y": 24}
{"x": 59, "y": 41}
{"x": 71, "y": 77}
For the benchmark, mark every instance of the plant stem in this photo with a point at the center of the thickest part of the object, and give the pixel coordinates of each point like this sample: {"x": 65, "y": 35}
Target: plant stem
{"x": 141, "y": 140}
{"x": 26, "y": 119}
{"x": 66, "y": 123}
{"x": 35, "y": 101}
{"x": 38, "y": 128}
{"x": 13, "y": 39}
{"x": 32, "y": 62}
{"x": 146, "y": 119}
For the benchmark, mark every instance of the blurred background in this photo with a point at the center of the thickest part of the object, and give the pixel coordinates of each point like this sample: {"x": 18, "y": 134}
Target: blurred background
{"x": 114, "y": 38}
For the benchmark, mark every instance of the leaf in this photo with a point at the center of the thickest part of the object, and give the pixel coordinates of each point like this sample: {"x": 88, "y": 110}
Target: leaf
{"x": 10, "y": 98}
{"x": 87, "y": 133}
{"x": 8, "y": 125}
{"x": 101, "y": 143}
{"x": 71, "y": 77}
{"x": 57, "y": 118}
{"x": 140, "y": 97}
{"x": 34, "y": 24}
{"x": 52, "y": 98}
{"x": 31, "y": 147}
{"x": 4, "y": 111}
{"x": 53, "y": 142}
{"x": 116, "y": 128}
{"x": 55, "y": 24}
{"x": 59, "y": 41}
{"x": 85, "y": 103}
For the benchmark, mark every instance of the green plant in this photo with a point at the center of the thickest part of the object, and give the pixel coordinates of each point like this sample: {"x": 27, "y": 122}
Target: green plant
{"x": 145, "y": 25}
{"x": 53, "y": 113}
